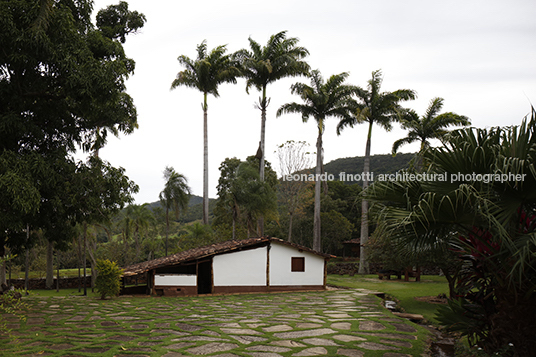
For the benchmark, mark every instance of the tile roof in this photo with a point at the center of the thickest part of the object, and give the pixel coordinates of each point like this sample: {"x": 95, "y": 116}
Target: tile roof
{"x": 210, "y": 250}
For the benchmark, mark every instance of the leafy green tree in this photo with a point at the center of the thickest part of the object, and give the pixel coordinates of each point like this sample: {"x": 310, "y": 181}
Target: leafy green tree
{"x": 61, "y": 78}
{"x": 138, "y": 218}
{"x": 280, "y": 58}
{"x": 175, "y": 196}
{"x": 485, "y": 210}
{"x": 206, "y": 73}
{"x": 431, "y": 125}
{"x": 374, "y": 107}
{"x": 321, "y": 101}
{"x": 108, "y": 279}
{"x": 196, "y": 235}
{"x": 243, "y": 197}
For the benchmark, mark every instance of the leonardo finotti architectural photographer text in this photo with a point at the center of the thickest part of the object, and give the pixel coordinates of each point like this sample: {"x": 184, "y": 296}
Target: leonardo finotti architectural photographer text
{"x": 405, "y": 176}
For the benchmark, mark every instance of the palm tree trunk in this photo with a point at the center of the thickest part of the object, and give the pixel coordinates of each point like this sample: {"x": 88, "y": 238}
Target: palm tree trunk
{"x": 205, "y": 162}
{"x": 167, "y": 228}
{"x": 317, "y": 244}
{"x": 264, "y": 104}
{"x": 363, "y": 259}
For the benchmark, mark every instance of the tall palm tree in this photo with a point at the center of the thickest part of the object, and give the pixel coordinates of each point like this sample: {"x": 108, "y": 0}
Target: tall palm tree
{"x": 175, "y": 196}
{"x": 431, "y": 125}
{"x": 280, "y": 58}
{"x": 321, "y": 100}
{"x": 140, "y": 217}
{"x": 206, "y": 73}
{"x": 382, "y": 108}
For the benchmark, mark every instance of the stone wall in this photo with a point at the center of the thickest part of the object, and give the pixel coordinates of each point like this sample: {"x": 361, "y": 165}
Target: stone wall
{"x": 40, "y": 284}
{"x": 347, "y": 268}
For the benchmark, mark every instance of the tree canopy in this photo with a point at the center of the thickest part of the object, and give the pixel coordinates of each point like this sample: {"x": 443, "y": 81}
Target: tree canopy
{"x": 62, "y": 79}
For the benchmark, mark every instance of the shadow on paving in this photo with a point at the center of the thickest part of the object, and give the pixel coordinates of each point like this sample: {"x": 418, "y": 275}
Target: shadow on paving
{"x": 326, "y": 323}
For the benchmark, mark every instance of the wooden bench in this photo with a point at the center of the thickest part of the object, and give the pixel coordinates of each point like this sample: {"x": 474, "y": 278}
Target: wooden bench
{"x": 414, "y": 273}
{"x": 387, "y": 274}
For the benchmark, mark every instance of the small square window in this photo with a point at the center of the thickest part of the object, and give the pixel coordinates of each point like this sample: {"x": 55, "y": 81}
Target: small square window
{"x": 298, "y": 264}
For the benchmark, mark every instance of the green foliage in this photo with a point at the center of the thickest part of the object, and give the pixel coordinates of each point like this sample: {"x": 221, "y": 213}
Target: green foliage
{"x": 280, "y": 58}
{"x": 10, "y": 303}
{"x": 62, "y": 86}
{"x": 488, "y": 217}
{"x": 243, "y": 197}
{"x": 379, "y": 164}
{"x": 432, "y": 125}
{"x": 116, "y": 21}
{"x": 108, "y": 279}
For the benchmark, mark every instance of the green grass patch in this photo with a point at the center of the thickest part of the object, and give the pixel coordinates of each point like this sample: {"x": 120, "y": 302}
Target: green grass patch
{"x": 63, "y": 293}
{"x": 64, "y": 273}
{"x": 404, "y": 292}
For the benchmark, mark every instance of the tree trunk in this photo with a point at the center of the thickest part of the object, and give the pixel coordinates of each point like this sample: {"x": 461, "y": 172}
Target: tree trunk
{"x": 92, "y": 261}
{"x": 57, "y": 272}
{"x": 291, "y": 216}
{"x": 3, "y": 264}
{"x": 234, "y": 228}
{"x": 79, "y": 256}
{"x": 27, "y": 270}
{"x": 84, "y": 258}
{"x": 317, "y": 231}
{"x": 27, "y": 259}
{"x": 167, "y": 228}
{"x": 205, "y": 161}
{"x": 50, "y": 265}
{"x": 363, "y": 259}
{"x": 264, "y": 105}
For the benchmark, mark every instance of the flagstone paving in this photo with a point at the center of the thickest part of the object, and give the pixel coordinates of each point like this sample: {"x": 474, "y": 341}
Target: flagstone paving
{"x": 327, "y": 323}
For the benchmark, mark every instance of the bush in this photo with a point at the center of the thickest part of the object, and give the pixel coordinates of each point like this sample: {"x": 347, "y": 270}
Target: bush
{"x": 108, "y": 281}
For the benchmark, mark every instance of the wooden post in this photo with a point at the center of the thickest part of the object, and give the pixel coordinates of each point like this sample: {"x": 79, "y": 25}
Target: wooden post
{"x": 268, "y": 267}
{"x": 325, "y": 272}
{"x": 211, "y": 276}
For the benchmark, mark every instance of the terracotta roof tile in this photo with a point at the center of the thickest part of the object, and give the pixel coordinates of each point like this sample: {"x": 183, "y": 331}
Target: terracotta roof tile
{"x": 213, "y": 249}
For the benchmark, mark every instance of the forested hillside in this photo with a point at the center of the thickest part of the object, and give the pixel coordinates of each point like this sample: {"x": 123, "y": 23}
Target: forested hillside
{"x": 379, "y": 164}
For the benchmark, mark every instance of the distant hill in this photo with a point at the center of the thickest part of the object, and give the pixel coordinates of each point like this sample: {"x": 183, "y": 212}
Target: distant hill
{"x": 379, "y": 164}
{"x": 194, "y": 211}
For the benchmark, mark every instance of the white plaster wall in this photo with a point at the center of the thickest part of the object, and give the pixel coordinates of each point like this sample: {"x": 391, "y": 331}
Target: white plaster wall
{"x": 175, "y": 280}
{"x": 243, "y": 268}
{"x": 280, "y": 267}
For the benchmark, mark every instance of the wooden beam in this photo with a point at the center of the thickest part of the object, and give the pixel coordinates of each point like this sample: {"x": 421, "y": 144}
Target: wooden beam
{"x": 268, "y": 267}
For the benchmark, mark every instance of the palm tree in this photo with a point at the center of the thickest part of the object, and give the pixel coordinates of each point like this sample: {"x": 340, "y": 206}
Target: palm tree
{"x": 430, "y": 126}
{"x": 382, "y": 108}
{"x": 488, "y": 218}
{"x": 206, "y": 73}
{"x": 175, "y": 196}
{"x": 280, "y": 58}
{"x": 140, "y": 217}
{"x": 321, "y": 100}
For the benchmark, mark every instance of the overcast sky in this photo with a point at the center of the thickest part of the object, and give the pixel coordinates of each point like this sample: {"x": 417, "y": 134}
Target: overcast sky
{"x": 480, "y": 56}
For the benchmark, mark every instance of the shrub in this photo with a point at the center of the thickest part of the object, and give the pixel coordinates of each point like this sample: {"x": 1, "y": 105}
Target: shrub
{"x": 108, "y": 281}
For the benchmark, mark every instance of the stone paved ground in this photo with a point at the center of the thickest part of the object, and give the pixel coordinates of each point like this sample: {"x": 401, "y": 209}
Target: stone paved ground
{"x": 328, "y": 323}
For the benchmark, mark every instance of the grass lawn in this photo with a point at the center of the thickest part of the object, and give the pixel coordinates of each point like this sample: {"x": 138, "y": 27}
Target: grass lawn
{"x": 404, "y": 292}
{"x": 64, "y": 273}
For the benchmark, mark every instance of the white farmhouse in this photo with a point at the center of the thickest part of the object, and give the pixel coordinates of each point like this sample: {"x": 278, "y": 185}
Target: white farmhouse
{"x": 261, "y": 264}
